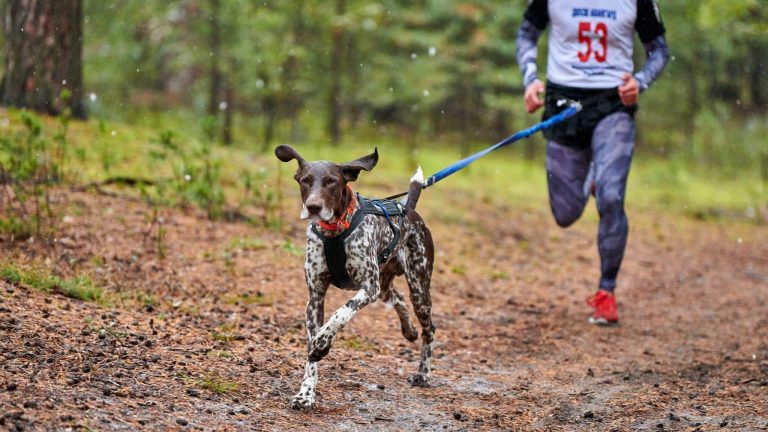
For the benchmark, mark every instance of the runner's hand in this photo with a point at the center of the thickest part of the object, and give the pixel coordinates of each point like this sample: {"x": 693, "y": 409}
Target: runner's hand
{"x": 629, "y": 91}
{"x": 532, "y": 99}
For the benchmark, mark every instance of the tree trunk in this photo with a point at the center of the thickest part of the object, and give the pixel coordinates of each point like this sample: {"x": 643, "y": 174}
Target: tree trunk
{"x": 334, "y": 92}
{"x": 214, "y": 41}
{"x": 229, "y": 113}
{"x": 758, "y": 52}
{"x": 292, "y": 96}
{"x": 43, "y": 56}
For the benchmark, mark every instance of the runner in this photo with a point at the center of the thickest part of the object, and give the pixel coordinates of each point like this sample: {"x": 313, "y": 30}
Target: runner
{"x": 590, "y": 60}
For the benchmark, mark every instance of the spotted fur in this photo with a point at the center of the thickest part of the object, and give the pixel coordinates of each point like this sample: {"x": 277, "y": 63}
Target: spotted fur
{"x": 324, "y": 184}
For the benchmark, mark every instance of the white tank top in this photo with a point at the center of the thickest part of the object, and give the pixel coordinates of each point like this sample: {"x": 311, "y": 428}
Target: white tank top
{"x": 590, "y": 42}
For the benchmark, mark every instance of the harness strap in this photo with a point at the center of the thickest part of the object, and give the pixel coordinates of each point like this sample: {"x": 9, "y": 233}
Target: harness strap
{"x": 384, "y": 256}
{"x": 333, "y": 247}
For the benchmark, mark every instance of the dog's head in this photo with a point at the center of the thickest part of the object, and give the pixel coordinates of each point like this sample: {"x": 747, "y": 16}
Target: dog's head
{"x": 323, "y": 184}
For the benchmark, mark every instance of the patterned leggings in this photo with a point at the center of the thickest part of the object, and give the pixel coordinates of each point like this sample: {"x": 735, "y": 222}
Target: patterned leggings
{"x": 571, "y": 174}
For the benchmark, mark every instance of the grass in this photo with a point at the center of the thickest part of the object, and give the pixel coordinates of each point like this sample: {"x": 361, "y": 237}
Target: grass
{"x": 291, "y": 248}
{"x": 258, "y": 298}
{"x": 219, "y": 354}
{"x": 357, "y": 344}
{"x": 217, "y": 384}
{"x": 669, "y": 184}
{"x": 211, "y": 382}
{"x": 227, "y": 332}
{"x": 79, "y": 287}
{"x": 246, "y": 244}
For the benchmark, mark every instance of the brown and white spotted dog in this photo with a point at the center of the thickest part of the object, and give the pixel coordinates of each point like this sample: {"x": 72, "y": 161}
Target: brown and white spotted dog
{"x": 326, "y": 197}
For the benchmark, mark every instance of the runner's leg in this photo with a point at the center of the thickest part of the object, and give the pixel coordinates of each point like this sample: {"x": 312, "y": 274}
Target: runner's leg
{"x": 567, "y": 170}
{"x": 613, "y": 142}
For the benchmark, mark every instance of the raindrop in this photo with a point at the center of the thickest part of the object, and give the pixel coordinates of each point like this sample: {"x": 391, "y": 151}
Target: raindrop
{"x": 432, "y": 51}
{"x": 63, "y": 82}
{"x": 92, "y": 97}
{"x": 113, "y": 133}
{"x": 223, "y": 106}
{"x": 187, "y": 177}
{"x": 259, "y": 83}
{"x": 414, "y": 56}
{"x": 425, "y": 93}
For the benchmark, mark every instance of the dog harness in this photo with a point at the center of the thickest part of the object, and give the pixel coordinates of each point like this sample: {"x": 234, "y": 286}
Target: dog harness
{"x": 333, "y": 247}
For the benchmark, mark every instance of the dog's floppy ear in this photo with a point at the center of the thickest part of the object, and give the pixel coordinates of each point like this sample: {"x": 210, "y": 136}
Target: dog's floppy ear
{"x": 287, "y": 153}
{"x": 352, "y": 169}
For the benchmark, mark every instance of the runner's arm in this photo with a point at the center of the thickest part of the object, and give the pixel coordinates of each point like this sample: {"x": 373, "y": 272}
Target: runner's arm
{"x": 526, "y": 51}
{"x": 657, "y": 57}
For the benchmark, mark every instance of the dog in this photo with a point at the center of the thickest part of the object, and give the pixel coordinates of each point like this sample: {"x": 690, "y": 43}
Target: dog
{"x": 327, "y": 201}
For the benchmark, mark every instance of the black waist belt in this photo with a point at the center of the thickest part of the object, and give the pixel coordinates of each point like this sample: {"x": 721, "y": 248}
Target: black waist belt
{"x": 596, "y": 104}
{"x": 333, "y": 247}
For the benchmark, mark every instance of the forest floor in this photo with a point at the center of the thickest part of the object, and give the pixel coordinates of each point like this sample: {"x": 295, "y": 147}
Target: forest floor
{"x": 203, "y": 328}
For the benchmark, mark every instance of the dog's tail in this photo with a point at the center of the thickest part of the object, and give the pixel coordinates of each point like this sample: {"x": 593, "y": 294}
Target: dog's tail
{"x": 417, "y": 182}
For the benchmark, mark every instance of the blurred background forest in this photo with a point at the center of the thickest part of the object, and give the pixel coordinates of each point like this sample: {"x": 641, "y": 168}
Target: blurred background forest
{"x": 426, "y": 74}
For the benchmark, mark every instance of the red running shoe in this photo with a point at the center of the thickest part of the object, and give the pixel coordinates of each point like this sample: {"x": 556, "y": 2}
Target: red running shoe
{"x": 605, "y": 312}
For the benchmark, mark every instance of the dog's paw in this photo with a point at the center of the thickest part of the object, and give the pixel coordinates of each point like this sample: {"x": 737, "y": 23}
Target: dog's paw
{"x": 321, "y": 345}
{"x": 419, "y": 380}
{"x": 302, "y": 402}
{"x": 409, "y": 332}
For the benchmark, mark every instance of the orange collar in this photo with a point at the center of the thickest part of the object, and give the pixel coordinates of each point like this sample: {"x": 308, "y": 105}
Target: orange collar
{"x": 337, "y": 225}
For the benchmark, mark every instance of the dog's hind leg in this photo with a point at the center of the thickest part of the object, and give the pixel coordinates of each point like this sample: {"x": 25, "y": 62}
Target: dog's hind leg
{"x": 418, "y": 273}
{"x": 392, "y": 297}
{"x": 305, "y": 398}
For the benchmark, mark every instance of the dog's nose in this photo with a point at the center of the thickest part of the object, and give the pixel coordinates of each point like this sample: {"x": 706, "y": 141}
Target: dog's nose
{"x": 313, "y": 208}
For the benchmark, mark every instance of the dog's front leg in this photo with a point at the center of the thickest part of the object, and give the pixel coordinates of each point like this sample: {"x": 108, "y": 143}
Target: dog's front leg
{"x": 305, "y": 398}
{"x": 368, "y": 292}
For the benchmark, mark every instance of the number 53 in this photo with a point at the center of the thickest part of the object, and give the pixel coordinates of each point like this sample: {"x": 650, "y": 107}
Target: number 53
{"x": 585, "y": 37}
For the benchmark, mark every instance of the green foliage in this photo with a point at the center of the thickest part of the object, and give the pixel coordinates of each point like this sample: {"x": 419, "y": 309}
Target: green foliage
{"x": 428, "y": 71}
{"x": 196, "y": 174}
{"x": 30, "y": 166}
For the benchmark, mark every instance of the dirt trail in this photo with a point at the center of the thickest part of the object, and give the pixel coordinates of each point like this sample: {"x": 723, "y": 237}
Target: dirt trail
{"x": 211, "y": 336}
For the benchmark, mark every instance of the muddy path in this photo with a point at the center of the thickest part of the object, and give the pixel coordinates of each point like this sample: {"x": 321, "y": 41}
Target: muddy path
{"x": 205, "y": 329}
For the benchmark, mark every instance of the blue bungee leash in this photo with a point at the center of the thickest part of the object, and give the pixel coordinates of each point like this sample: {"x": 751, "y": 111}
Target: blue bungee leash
{"x": 572, "y": 110}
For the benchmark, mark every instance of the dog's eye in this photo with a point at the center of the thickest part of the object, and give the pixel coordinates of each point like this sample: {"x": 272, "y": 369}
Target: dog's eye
{"x": 307, "y": 180}
{"x": 327, "y": 181}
